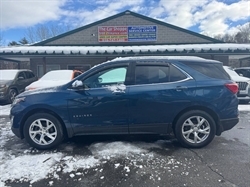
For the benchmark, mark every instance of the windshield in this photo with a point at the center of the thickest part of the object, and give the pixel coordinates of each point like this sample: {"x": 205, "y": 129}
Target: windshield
{"x": 7, "y": 74}
{"x": 58, "y": 75}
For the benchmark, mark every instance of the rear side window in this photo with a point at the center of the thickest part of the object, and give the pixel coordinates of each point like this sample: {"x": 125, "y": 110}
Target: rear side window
{"x": 209, "y": 69}
{"x": 29, "y": 75}
{"x": 149, "y": 74}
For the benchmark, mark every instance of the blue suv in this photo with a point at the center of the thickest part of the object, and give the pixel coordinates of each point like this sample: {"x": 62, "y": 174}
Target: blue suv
{"x": 192, "y": 97}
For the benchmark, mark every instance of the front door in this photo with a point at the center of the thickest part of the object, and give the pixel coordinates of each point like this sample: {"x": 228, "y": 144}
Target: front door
{"x": 102, "y": 106}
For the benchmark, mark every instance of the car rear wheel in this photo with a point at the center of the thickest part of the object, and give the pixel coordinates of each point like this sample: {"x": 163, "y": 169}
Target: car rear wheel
{"x": 12, "y": 95}
{"x": 195, "y": 129}
{"x": 43, "y": 131}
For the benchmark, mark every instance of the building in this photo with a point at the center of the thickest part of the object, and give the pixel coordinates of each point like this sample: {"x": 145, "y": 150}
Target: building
{"x": 124, "y": 34}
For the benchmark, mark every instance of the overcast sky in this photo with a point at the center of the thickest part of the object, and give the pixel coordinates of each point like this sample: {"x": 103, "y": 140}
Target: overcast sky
{"x": 211, "y": 17}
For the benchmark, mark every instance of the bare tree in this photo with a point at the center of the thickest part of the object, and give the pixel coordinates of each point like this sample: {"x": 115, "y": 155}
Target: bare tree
{"x": 228, "y": 38}
{"x": 243, "y": 36}
{"x": 1, "y": 40}
{"x": 43, "y": 32}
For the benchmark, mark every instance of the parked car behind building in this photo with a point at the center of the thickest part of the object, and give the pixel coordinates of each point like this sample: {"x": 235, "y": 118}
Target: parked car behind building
{"x": 243, "y": 82}
{"x": 243, "y": 71}
{"x": 13, "y": 82}
{"x": 54, "y": 78}
{"x": 190, "y": 96}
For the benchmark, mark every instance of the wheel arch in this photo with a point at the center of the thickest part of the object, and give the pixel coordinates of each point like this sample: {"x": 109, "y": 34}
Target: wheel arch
{"x": 201, "y": 108}
{"x": 43, "y": 110}
{"x": 14, "y": 88}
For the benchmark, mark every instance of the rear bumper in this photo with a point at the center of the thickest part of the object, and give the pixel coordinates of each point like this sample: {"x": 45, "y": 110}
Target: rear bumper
{"x": 226, "y": 124}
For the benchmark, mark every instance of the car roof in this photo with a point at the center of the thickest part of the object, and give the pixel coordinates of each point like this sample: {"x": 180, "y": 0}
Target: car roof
{"x": 15, "y": 70}
{"x": 243, "y": 68}
{"x": 169, "y": 58}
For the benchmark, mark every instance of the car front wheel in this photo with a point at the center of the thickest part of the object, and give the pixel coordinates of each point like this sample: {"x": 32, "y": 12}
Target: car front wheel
{"x": 195, "y": 129}
{"x": 43, "y": 131}
{"x": 12, "y": 95}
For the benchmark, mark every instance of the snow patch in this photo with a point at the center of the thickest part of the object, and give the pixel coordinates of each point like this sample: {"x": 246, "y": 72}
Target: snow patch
{"x": 29, "y": 167}
{"x": 120, "y": 88}
{"x": 5, "y": 110}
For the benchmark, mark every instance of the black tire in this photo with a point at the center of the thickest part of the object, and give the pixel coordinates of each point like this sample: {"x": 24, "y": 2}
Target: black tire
{"x": 192, "y": 135}
{"x": 43, "y": 138}
{"x": 12, "y": 94}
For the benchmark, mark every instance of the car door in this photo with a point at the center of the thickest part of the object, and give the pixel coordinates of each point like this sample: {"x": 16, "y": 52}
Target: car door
{"x": 30, "y": 77}
{"x": 102, "y": 106}
{"x": 21, "y": 81}
{"x": 160, "y": 91}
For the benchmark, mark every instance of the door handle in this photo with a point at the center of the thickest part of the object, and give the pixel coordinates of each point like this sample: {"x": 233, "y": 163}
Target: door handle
{"x": 118, "y": 93}
{"x": 180, "y": 88}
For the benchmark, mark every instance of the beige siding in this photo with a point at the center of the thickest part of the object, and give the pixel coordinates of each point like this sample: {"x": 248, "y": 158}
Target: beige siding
{"x": 165, "y": 34}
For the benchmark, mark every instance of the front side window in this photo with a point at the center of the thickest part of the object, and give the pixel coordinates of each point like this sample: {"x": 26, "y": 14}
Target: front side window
{"x": 21, "y": 75}
{"x": 150, "y": 74}
{"x": 106, "y": 77}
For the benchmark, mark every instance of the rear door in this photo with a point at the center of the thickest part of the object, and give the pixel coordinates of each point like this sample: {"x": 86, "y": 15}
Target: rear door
{"x": 160, "y": 90}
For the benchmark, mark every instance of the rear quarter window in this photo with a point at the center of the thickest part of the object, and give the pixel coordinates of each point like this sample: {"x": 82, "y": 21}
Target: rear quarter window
{"x": 212, "y": 70}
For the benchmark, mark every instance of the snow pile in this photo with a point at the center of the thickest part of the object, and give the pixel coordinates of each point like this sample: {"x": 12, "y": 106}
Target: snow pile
{"x": 85, "y": 50}
{"x": 4, "y": 110}
{"x": 5, "y": 133}
{"x": 29, "y": 167}
{"x": 22, "y": 163}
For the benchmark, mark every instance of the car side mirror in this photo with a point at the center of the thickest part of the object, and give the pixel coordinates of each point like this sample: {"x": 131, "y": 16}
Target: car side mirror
{"x": 77, "y": 84}
{"x": 241, "y": 75}
{"x": 20, "y": 78}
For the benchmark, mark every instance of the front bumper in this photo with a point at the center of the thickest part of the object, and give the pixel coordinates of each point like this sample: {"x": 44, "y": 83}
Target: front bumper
{"x": 16, "y": 131}
{"x": 226, "y": 124}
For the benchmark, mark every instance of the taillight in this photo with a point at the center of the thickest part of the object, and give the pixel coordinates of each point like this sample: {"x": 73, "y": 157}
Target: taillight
{"x": 233, "y": 87}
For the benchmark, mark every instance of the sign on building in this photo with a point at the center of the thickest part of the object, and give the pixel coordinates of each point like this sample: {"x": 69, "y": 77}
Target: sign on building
{"x": 127, "y": 33}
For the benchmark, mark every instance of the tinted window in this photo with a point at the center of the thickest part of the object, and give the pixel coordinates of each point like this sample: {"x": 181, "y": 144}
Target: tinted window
{"x": 21, "y": 75}
{"x": 29, "y": 74}
{"x": 244, "y": 72}
{"x": 106, "y": 77}
{"x": 209, "y": 69}
{"x": 176, "y": 74}
{"x": 149, "y": 74}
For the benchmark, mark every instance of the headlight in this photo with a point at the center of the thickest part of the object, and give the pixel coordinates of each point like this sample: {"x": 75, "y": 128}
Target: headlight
{"x": 2, "y": 85}
{"x": 18, "y": 100}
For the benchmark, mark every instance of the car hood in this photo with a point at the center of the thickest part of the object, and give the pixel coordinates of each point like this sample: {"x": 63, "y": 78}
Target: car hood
{"x": 45, "y": 84}
{"x": 39, "y": 91}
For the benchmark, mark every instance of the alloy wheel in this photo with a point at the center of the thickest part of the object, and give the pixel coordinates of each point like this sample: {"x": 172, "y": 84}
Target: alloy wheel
{"x": 43, "y": 131}
{"x": 196, "y": 129}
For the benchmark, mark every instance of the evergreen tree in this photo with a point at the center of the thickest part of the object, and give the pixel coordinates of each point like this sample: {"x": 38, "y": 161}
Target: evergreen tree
{"x": 23, "y": 41}
{"x": 13, "y": 43}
